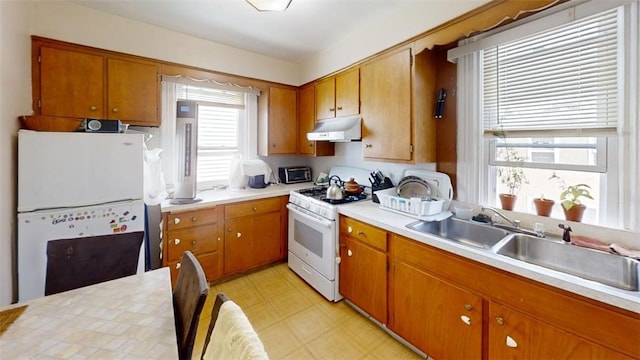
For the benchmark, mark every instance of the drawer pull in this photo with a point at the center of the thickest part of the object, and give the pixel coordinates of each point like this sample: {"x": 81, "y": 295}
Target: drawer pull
{"x": 468, "y": 307}
{"x": 349, "y": 253}
{"x": 219, "y": 238}
{"x": 255, "y": 208}
{"x": 511, "y": 343}
{"x": 177, "y": 266}
{"x": 465, "y": 319}
{"x": 93, "y": 108}
{"x": 367, "y": 145}
{"x": 500, "y": 320}
{"x": 238, "y": 235}
{"x": 176, "y": 220}
{"x": 115, "y": 110}
{"x": 176, "y": 241}
{"x": 360, "y": 232}
{"x": 194, "y": 219}
{"x": 193, "y": 242}
{"x": 349, "y": 229}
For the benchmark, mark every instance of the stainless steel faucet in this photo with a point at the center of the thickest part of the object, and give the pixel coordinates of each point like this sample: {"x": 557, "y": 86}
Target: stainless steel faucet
{"x": 514, "y": 223}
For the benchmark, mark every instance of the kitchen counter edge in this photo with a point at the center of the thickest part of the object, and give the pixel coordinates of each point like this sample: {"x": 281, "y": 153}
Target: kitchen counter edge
{"x": 227, "y": 196}
{"x": 371, "y": 213}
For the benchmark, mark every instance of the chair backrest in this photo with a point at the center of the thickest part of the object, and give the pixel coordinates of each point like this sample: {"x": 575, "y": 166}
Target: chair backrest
{"x": 220, "y": 299}
{"x": 231, "y": 335}
{"x": 189, "y": 295}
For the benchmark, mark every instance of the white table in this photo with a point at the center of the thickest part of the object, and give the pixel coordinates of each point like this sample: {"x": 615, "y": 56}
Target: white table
{"x": 131, "y": 317}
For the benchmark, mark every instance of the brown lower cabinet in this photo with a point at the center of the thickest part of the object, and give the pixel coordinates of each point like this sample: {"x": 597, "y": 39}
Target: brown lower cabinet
{"x": 227, "y": 239}
{"x": 197, "y": 231}
{"x": 438, "y": 318}
{"x": 451, "y": 307}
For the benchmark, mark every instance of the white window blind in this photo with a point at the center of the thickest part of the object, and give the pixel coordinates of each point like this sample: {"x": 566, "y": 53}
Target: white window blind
{"x": 563, "y": 81}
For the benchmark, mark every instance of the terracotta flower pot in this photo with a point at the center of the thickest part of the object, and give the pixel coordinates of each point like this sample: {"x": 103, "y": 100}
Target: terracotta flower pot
{"x": 543, "y": 206}
{"x": 574, "y": 213}
{"x": 508, "y": 201}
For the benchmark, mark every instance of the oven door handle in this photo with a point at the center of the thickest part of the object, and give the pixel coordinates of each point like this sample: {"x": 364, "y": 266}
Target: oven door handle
{"x": 317, "y": 220}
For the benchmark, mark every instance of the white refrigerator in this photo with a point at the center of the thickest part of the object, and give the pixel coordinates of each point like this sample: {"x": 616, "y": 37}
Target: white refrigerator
{"x": 77, "y": 186}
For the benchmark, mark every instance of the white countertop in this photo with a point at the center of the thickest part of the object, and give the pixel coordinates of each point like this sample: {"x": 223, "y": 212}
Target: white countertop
{"x": 371, "y": 213}
{"x": 227, "y": 196}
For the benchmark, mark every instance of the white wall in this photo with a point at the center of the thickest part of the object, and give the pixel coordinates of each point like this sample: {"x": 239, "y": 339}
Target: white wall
{"x": 411, "y": 18}
{"x": 66, "y": 21}
{"x": 15, "y": 100}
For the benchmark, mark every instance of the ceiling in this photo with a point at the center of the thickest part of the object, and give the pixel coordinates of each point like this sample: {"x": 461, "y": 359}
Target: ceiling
{"x": 304, "y": 29}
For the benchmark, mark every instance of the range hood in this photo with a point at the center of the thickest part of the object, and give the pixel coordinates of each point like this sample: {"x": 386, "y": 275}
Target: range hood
{"x": 340, "y": 129}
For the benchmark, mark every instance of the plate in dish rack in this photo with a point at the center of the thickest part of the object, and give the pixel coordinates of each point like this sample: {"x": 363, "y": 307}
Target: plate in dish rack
{"x": 413, "y": 187}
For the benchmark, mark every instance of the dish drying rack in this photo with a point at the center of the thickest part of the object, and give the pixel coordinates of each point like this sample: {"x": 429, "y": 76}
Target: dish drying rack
{"x": 426, "y": 210}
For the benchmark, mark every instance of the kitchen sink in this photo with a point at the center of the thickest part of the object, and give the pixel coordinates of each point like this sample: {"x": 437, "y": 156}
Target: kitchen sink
{"x": 614, "y": 270}
{"x": 461, "y": 231}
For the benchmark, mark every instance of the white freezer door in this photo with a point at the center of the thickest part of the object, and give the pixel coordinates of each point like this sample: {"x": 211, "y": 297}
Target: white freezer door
{"x": 37, "y": 228}
{"x": 57, "y": 169}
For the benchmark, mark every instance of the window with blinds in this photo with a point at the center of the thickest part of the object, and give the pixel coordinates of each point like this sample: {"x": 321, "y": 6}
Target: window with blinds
{"x": 219, "y": 119}
{"x": 563, "y": 81}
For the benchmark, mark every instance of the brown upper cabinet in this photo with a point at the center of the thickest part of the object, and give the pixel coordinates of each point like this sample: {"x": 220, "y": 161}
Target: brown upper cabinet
{"x": 338, "y": 95}
{"x": 75, "y": 81}
{"x": 397, "y": 99}
{"x": 278, "y": 134}
{"x": 306, "y": 122}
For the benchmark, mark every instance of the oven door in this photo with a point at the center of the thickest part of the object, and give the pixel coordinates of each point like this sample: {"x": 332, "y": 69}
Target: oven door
{"x": 312, "y": 238}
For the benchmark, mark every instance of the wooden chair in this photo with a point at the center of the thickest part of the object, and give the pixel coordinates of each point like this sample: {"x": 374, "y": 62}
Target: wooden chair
{"x": 189, "y": 295}
{"x": 245, "y": 343}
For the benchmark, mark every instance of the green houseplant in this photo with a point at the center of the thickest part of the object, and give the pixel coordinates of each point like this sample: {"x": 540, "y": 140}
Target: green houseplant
{"x": 570, "y": 198}
{"x": 512, "y": 175}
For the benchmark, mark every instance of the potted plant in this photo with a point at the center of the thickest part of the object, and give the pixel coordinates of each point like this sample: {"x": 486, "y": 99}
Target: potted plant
{"x": 543, "y": 205}
{"x": 570, "y": 199}
{"x": 513, "y": 175}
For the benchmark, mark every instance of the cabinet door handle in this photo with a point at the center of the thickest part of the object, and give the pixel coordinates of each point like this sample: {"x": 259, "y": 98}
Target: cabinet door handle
{"x": 468, "y": 307}
{"x": 332, "y": 109}
{"x": 349, "y": 253}
{"x": 511, "y": 342}
{"x": 176, "y": 220}
{"x": 193, "y": 242}
{"x": 229, "y": 229}
{"x": 367, "y": 145}
{"x": 238, "y": 234}
{"x": 177, "y": 266}
{"x": 219, "y": 238}
{"x": 176, "y": 241}
{"x": 310, "y": 144}
{"x": 339, "y": 108}
{"x": 115, "y": 110}
{"x": 500, "y": 320}
{"x": 465, "y": 319}
{"x": 93, "y": 108}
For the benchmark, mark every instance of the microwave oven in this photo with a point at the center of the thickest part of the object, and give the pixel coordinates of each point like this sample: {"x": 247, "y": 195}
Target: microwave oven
{"x": 294, "y": 174}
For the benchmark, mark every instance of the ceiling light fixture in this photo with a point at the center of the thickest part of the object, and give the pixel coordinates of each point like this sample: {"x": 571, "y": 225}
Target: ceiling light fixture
{"x": 270, "y": 5}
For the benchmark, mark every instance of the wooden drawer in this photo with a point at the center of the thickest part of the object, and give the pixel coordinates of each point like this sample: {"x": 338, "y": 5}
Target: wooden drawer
{"x": 210, "y": 264}
{"x": 185, "y": 219}
{"x": 198, "y": 240}
{"x": 249, "y": 208}
{"x": 364, "y": 232}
